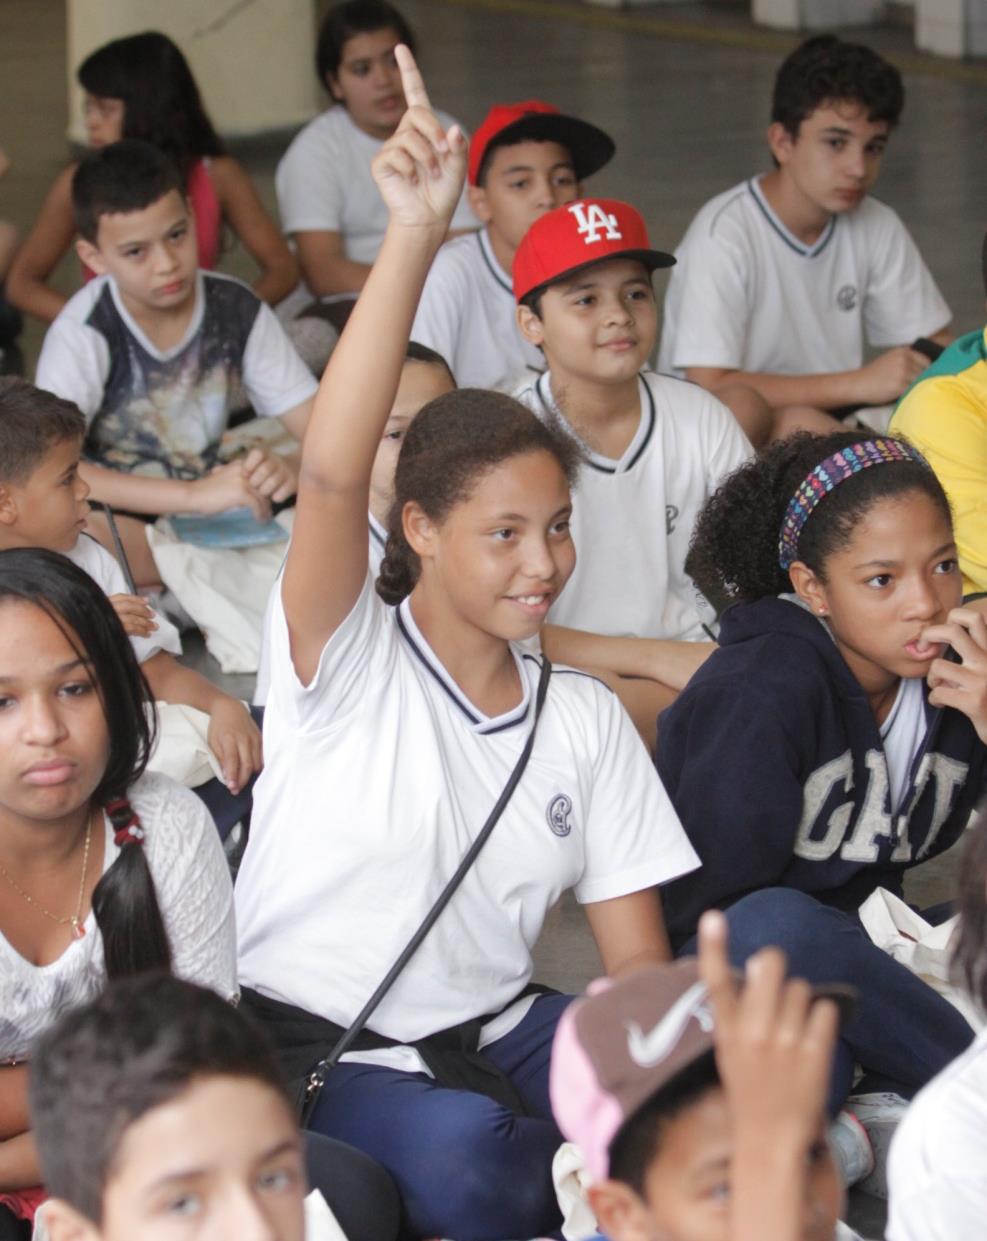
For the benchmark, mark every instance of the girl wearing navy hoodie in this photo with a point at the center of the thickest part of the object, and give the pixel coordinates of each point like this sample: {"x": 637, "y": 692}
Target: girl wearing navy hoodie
{"x": 835, "y": 738}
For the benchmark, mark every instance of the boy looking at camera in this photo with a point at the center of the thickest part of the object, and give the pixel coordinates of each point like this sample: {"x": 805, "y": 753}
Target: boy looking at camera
{"x": 524, "y": 159}
{"x": 781, "y": 279}
{"x": 156, "y": 353}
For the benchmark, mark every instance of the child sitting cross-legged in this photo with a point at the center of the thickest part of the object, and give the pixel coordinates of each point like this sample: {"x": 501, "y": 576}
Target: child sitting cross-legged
{"x": 155, "y": 352}
{"x": 654, "y": 449}
{"x": 43, "y": 503}
{"x": 698, "y": 1102}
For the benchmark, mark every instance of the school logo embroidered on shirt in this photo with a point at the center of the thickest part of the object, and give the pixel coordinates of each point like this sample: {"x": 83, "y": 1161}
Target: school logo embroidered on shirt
{"x": 559, "y": 809}
{"x": 650, "y": 1049}
{"x": 846, "y": 299}
{"x": 595, "y": 223}
{"x": 671, "y": 516}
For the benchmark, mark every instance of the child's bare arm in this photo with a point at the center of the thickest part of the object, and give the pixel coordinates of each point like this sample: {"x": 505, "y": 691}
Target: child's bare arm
{"x": 420, "y": 173}
{"x": 774, "y": 1054}
{"x": 233, "y": 736}
{"x": 225, "y": 487}
{"x": 658, "y": 659}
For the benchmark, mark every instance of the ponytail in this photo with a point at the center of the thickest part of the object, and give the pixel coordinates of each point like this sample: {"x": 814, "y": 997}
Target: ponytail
{"x": 399, "y": 569}
{"x": 125, "y": 902}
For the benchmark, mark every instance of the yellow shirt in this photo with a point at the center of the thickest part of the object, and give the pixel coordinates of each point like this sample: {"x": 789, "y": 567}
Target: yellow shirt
{"x": 944, "y": 414}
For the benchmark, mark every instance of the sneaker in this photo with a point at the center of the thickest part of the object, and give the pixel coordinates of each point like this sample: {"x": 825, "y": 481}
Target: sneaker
{"x": 851, "y": 1149}
{"x": 879, "y": 1115}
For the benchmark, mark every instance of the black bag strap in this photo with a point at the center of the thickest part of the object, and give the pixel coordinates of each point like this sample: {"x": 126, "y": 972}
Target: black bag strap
{"x": 317, "y": 1077}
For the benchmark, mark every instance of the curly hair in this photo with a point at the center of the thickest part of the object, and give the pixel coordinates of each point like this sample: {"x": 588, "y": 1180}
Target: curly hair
{"x": 824, "y": 70}
{"x": 453, "y": 441}
{"x": 733, "y": 556}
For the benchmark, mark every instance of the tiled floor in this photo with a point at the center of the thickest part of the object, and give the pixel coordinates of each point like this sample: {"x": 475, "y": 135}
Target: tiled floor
{"x": 684, "y": 90}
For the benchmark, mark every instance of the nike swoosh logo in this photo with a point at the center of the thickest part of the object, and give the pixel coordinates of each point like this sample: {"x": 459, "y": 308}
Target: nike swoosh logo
{"x": 650, "y": 1049}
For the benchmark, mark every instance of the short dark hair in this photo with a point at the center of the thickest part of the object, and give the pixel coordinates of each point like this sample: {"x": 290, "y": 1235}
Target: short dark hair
{"x": 353, "y": 17}
{"x": 638, "y": 1140}
{"x": 124, "y": 900}
{"x": 161, "y": 101}
{"x": 103, "y": 1066}
{"x": 430, "y": 357}
{"x": 733, "y": 556}
{"x": 970, "y": 952}
{"x": 455, "y": 439}
{"x": 826, "y": 69}
{"x": 32, "y": 421}
{"x": 116, "y": 179}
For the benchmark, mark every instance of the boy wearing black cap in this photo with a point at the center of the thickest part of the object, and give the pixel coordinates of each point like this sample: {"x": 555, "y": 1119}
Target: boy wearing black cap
{"x": 698, "y": 1108}
{"x": 525, "y": 159}
{"x": 655, "y": 447}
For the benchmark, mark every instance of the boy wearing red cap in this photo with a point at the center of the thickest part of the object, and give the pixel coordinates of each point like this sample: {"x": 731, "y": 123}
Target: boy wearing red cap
{"x": 655, "y": 447}
{"x": 525, "y": 159}
{"x": 698, "y": 1107}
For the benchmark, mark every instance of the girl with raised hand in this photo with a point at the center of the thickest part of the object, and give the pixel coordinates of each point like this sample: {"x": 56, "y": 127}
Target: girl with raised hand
{"x": 104, "y": 870}
{"x": 830, "y": 742}
{"x": 392, "y": 731}
{"x": 141, "y": 87}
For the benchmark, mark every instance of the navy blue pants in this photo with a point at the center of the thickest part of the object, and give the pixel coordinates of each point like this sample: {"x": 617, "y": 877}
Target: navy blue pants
{"x": 903, "y": 1032}
{"x": 466, "y": 1167}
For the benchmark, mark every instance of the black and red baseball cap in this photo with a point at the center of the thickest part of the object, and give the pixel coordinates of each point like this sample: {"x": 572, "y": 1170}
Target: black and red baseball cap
{"x": 577, "y": 235}
{"x": 507, "y": 123}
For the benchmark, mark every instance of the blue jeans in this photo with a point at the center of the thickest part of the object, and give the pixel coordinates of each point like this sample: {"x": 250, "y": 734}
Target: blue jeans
{"x": 903, "y": 1032}
{"x": 466, "y": 1167}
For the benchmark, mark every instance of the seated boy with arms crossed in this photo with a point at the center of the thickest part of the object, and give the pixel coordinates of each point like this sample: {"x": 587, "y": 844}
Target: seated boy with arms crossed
{"x": 655, "y": 449}
{"x": 43, "y": 504}
{"x": 698, "y": 1103}
{"x": 781, "y": 279}
{"x": 524, "y": 159}
{"x": 154, "y": 352}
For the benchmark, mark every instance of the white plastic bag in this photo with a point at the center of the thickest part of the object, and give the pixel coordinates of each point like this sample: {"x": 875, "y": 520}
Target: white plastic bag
{"x": 924, "y": 949}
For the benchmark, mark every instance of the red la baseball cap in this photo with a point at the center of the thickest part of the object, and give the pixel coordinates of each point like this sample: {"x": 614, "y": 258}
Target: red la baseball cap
{"x": 507, "y": 123}
{"x": 577, "y": 235}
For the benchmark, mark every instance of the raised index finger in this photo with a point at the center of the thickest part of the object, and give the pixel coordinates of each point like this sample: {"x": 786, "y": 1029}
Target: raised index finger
{"x": 714, "y": 966}
{"x": 412, "y": 82}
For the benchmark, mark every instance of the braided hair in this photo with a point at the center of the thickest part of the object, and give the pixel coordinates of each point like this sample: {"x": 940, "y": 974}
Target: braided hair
{"x": 124, "y": 900}
{"x": 453, "y": 441}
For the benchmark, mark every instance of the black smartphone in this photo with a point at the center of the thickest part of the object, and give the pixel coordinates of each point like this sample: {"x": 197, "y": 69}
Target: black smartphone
{"x": 930, "y": 348}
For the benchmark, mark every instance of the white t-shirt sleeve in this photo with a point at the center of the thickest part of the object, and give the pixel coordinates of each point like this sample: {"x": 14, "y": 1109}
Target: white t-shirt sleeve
{"x": 633, "y": 836}
{"x": 727, "y": 447}
{"x": 903, "y": 301}
{"x": 441, "y": 310}
{"x": 706, "y": 305}
{"x": 74, "y": 364}
{"x": 108, "y": 576}
{"x": 310, "y": 185}
{"x": 955, "y": 1210}
{"x": 192, "y": 881}
{"x": 275, "y": 377}
{"x": 349, "y": 657}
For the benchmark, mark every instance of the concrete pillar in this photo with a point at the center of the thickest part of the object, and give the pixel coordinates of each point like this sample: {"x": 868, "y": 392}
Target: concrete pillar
{"x": 817, "y": 14}
{"x": 951, "y": 27}
{"x": 253, "y": 61}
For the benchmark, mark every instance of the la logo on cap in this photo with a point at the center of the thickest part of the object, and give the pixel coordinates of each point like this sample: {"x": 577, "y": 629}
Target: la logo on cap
{"x": 595, "y": 223}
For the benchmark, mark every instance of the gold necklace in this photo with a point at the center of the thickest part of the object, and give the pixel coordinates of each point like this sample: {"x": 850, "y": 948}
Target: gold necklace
{"x": 78, "y": 930}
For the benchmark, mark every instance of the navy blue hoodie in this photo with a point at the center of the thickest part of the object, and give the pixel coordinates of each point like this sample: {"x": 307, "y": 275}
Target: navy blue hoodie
{"x": 774, "y": 761}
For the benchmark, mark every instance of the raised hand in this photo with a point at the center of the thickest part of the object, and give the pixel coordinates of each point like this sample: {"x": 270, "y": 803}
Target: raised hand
{"x": 420, "y": 170}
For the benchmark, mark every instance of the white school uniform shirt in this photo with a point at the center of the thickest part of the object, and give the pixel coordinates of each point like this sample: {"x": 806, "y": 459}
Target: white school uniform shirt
{"x": 937, "y": 1167}
{"x": 633, "y": 518}
{"x": 108, "y": 576}
{"x": 166, "y": 410}
{"x": 467, "y": 313}
{"x": 195, "y": 894}
{"x": 378, "y": 775}
{"x": 262, "y": 686}
{"x": 324, "y": 184}
{"x": 746, "y": 293}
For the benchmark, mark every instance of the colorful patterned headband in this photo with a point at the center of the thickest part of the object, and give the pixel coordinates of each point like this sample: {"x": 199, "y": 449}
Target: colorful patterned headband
{"x": 829, "y": 474}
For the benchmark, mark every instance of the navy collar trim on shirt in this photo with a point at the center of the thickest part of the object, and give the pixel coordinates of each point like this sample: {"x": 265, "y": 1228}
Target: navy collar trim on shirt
{"x": 790, "y": 240}
{"x": 490, "y": 259}
{"x": 481, "y": 724}
{"x": 377, "y": 531}
{"x": 604, "y": 465}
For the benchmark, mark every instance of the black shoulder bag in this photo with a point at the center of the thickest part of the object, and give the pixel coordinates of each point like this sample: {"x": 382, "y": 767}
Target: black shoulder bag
{"x": 316, "y": 1079}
